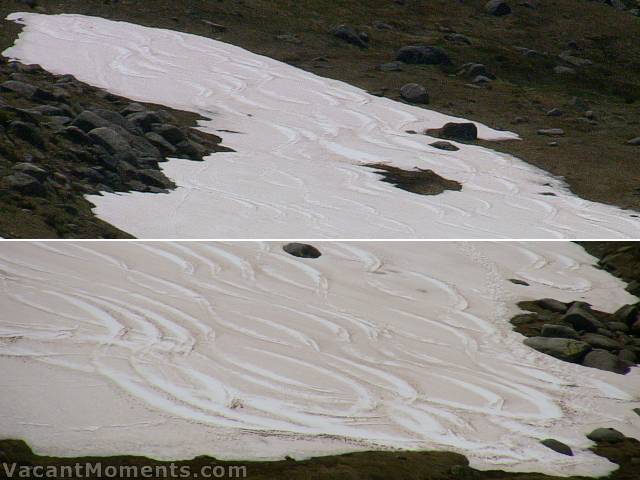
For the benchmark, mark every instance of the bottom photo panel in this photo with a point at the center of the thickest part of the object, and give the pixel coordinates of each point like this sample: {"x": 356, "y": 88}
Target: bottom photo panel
{"x": 320, "y": 360}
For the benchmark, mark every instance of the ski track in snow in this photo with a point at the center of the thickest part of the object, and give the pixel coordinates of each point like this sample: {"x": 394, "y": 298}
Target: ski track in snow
{"x": 243, "y": 351}
{"x": 297, "y": 171}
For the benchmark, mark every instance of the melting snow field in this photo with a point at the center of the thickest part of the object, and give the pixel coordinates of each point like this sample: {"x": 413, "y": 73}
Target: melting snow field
{"x": 243, "y": 351}
{"x": 300, "y": 148}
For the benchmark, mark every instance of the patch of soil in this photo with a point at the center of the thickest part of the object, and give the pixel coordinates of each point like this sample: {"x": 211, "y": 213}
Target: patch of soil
{"x": 422, "y": 182}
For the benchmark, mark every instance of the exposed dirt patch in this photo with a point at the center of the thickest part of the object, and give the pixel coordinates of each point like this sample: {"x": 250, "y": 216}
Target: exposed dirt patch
{"x": 422, "y": 182}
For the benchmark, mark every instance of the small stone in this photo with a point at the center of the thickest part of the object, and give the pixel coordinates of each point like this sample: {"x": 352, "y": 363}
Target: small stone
{"x": 555, "y": 112}
{"x": 497, "y": 8}
{"x": 610, "y": 435}
{"x": 414, "y": 93}
{"x": 391, "y": 67}
{"x": 552, "y": 132}
{"x": 518, "y": 282}
{"x": 557, "y": 446}
{"x": 562, "y": 70}
{"x": 349, "y": 35}
{"x": 634, "y": 141}
{"x": 302, "y": 250}
{"x": 442, "y": 145}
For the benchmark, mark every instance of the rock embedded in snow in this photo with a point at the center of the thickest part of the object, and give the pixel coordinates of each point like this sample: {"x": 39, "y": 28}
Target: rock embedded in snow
{"x": 557, "y": 446}
{"x": 302, "y": 250}
{"x": 423, "y": 54}
{"x": 414, "y": 93}
{"x": 465, "y": 131}
{"x": 610, "y": 435}
{"x": 497, "y": 8}
{"x": 600, "y": 341}
{"x": 442, "y": 145}
{"x": 603, "y": 360}
{"x": 552, "y": 304}
{"x": 561, "y": 348}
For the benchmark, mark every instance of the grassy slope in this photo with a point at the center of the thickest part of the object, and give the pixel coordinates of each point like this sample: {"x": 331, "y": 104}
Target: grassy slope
{"x": 594, "y": 158}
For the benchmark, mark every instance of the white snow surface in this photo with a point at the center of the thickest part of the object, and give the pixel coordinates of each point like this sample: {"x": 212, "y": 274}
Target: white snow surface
{"x": 242, "y": 351}
{"x": 297, "y": 170}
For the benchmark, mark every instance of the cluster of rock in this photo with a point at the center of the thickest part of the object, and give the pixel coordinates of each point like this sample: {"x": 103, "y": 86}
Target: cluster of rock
{"x": 57, "y": 133}
{"x": 576, "y": 333}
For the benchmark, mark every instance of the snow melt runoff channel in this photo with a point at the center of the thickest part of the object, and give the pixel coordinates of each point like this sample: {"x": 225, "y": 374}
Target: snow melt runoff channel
{"x": 297, "y": 170}
{"x": 239, "y": 350}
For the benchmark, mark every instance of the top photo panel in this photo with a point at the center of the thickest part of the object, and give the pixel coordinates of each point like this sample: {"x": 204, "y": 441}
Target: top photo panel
{"x": 320, "y": 119}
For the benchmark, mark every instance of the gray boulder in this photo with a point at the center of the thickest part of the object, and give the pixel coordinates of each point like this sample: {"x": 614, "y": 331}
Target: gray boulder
{"x": 391, "y": 67}
{"x": 634, "y": 141}
{"x": 160, "y": 143}
{"x": 497, "y": 8}
{"x": 19, "y": 88}
{"x": 144, "y": 120}
{"x": 603, "y": 360}
{"x": 582, "y": 318}
{"x": 553, "y": 305}
{"x": 600, "y": 341}
{"x": 30, "y": 169}
{"x": 423, "y": 54}
{"x": 628, "y": 313}
{"x": 23, "y": 183}
{"x": 414, "y": 93}
{"x": 558, "y": 331}
{"x": 27, "y": 132}
{"x": 170, "y": 133}
{"x": 562, "y": 348}
{"x": 109, "y": 139}
{"x": 88, "y": 120}
{"x": 628, "y": 356}
{"x": 610, "y": 435}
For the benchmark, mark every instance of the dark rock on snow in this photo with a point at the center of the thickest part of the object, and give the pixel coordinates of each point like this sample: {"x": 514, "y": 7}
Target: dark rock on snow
{"x": 302, "y": 250}
{"x": 610, "y": 435}
{"x": 603, "y": 360}
{"x": 442, "y": 145}
{"x": 557, "y": 446}
{"x": 466, "y": 131}
{"x": 562, "y": 348}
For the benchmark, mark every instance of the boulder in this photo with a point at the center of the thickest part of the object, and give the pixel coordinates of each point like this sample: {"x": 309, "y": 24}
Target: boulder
{"x": 19, "y": 88}
{"x": 635, "y": 328}
{"x": 628, "y": 313}
{"x": 557, "y": 446}
{"x": 110, "y": 140}
{"x": 603, "y": 360}
{"x": 414, "y": 93}
{"x": 390, "y": 67}
{"x": 170, "y": 133}
{"x": 580, "y": 316}
{"x": 76, "y": 135}
{"x": 600, "y": 341}
{"x": 27, "y": 132}
{"x": 566, "y": 349}
{"x": 154, "y": 178}
{"x": 442, "y": 145}
{"x": 88, "y": 120}
{"x": 23, "y": 183}
{"x": 466, "y": 131}
{"x": 161, "y": 144}
{"x": 423, "y": 54}
{"x": 115, "y": 118}
{"x": 628, "y": 356}
{"x": 144, "y": 120}
{"x": 497, "y": 8}
{"x": 349, "y": 35}
{"x": 610, "y": 435}
{"x": 634, "y": 141}
{"x": 558, "y": 331}
{"x": 132, "y": 108}
{"x": 302, "y": 250}
{"x": 552, "y": 305}
{"x": 30, "y": 169}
